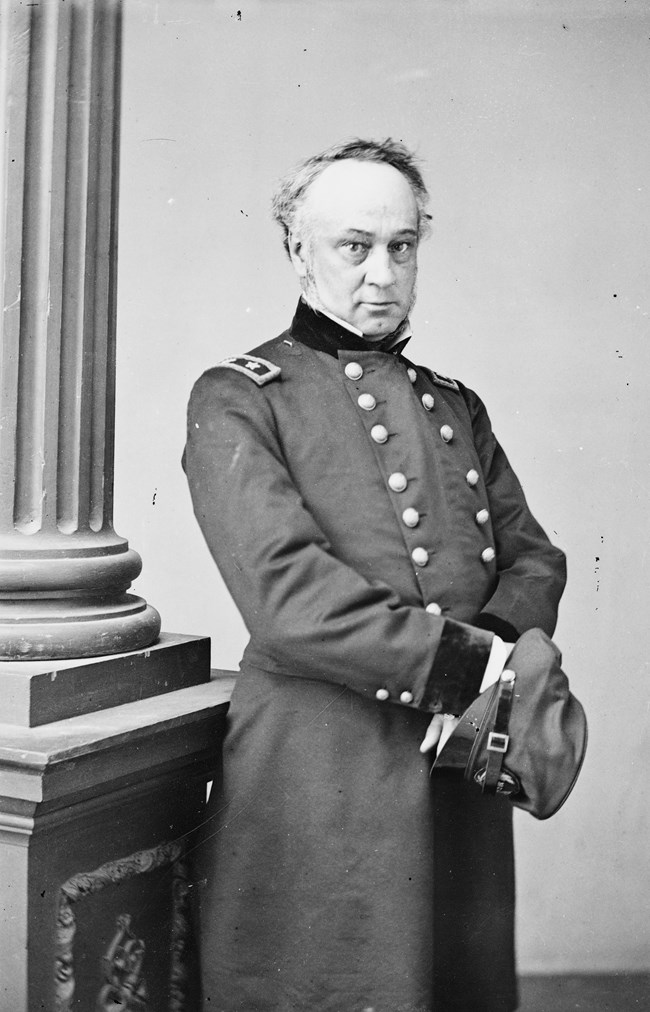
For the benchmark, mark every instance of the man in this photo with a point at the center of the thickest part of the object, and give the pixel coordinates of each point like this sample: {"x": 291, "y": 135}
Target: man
{"x": 380, "y": 549}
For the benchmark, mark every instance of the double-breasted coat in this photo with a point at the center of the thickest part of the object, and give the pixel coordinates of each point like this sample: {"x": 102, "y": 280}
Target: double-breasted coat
{"x": 374, "y": 537}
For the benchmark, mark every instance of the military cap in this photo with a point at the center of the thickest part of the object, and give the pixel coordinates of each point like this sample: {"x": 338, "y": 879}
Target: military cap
{"x": 525, "y": 737}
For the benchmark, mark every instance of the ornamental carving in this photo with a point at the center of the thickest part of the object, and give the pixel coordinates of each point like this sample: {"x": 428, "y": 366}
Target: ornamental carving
{"x": 178, "y": 971}
{"x": 124, "y": 985}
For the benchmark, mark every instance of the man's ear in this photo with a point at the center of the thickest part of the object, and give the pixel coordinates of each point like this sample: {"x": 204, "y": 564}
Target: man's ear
{"x": 297, "y": 252}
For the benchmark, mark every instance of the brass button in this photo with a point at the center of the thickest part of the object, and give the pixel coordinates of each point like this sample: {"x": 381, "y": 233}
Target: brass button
{"x": 397, "y": 481}
{"x": 406, "y": 697}
{"x": 434, "y": 609}
{"x": 482, "y": 517}
{"x": 411, "y": 517}
{"x": 472, "y": 477}
{"x": 428, "y": 402}
{"x": 488, "y": 555}
{"x": 447, "y": 433}
{"x": 367, "y": 402}
{"x": 379, "y": 433}
{"x": 382, "y": 695}
{"x": 353, "y": 371}
{"x": 420, "y": 556}
{"x": 412, "y": 375}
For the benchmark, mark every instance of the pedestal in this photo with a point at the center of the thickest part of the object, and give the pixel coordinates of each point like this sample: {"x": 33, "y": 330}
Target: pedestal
{"x": 97, "y": 814}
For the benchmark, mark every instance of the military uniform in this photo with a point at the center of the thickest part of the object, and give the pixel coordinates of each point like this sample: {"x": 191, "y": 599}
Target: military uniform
{"x": 373, "y": 536}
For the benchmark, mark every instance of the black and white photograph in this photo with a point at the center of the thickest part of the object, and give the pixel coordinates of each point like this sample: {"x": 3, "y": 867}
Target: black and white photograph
{"x": 324, "y": 499}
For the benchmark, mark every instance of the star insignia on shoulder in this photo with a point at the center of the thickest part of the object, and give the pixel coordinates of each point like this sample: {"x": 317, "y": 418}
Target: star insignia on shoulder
{"x": 258, "y": 369}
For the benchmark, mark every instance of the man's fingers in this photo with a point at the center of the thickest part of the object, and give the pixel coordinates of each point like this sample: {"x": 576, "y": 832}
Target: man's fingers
{"x": 433, "y": 733}
{"x": 449, "y": 725}
{"x": 439, "y": 730}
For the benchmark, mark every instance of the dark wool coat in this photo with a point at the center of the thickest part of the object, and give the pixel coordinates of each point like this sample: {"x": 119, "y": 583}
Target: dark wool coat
{"x": 374, "y": 536}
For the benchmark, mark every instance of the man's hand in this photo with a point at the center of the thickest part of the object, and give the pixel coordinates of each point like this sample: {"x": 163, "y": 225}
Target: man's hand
{"x": 444, "y": 724}
{"x": 441, "y": 727}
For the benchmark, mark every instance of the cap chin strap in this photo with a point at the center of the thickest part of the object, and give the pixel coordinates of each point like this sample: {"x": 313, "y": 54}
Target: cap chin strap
{"x": 492, "y": 778}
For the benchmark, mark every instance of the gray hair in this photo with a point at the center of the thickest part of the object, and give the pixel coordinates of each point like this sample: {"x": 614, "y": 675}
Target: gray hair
{"x": 290, "y": 195}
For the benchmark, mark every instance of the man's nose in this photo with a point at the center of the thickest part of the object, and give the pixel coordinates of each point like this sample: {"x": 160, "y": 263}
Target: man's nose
{"x": 379, "y": 268}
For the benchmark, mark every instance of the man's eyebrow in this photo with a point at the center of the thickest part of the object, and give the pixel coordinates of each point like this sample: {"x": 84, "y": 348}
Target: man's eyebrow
{"x": 368, "y": 235}
{"x": 357, "y": 231}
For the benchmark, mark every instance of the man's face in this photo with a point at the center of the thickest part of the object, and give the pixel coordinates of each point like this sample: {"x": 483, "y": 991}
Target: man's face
{"x": 356, "y": 247}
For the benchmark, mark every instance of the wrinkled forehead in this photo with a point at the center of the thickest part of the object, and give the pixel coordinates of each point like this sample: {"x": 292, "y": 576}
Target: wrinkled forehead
{"x": 362, "y": 195}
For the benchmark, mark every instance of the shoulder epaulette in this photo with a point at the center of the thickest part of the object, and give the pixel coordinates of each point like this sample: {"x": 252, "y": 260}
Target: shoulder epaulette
{"x": 444, "y": 381}
{"x": 257, "y": 369}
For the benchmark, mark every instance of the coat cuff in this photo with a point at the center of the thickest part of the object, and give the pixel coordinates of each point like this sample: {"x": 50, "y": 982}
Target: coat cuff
{"x": 497, "y": 625}
{"x": 458, "y": 668}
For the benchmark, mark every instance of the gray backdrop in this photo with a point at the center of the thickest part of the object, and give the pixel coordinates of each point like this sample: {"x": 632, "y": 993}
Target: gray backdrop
{"x": 532, "y": 122}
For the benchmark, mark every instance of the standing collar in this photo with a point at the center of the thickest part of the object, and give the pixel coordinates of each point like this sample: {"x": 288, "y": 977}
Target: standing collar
{"x": 323, "y": 332}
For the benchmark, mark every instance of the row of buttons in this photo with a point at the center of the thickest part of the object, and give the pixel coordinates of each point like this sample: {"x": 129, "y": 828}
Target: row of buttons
{"x": 383, "y": 694}
{"x": 397, "y": 481}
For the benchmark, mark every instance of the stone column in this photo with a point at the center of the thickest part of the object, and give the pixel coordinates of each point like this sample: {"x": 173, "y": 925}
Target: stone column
{"x": 103, "y": 759}
{"x": 64, "y": 572}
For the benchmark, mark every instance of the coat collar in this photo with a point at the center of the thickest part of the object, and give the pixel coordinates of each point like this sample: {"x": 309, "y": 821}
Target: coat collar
{"x": 322, "y": 333}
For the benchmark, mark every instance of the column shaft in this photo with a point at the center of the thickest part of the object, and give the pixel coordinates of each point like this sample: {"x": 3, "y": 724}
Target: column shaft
{"x": 64, "y": 572}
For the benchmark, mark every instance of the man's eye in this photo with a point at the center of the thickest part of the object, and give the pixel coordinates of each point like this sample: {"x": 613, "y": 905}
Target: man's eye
{"x": 356, "y": 248}
{"x": 402, "y": 247}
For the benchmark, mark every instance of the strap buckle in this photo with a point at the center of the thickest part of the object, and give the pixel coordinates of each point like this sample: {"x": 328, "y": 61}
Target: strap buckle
{"x": 497, "y": 742}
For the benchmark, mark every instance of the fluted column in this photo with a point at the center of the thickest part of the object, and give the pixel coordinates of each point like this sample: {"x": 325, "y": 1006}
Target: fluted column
{"x": 64, "y": 572}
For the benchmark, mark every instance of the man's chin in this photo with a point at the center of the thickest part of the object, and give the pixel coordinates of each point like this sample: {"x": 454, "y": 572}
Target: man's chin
{"x": 375, "y": 328}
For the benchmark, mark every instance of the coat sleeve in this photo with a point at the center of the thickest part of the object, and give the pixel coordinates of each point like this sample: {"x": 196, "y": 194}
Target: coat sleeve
{"x": 309, "y": 614}
{"x": 531, "y": 571}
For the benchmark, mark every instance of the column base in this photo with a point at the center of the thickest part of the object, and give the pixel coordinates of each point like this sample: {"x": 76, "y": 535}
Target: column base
{"x": 57, "y": 628}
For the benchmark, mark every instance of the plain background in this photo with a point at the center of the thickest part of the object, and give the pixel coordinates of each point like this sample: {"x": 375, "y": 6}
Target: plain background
{"x": 531, "y": 119}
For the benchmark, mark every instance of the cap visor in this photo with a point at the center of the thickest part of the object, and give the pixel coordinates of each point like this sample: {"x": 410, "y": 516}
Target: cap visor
{"x": 456, "y": 751}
